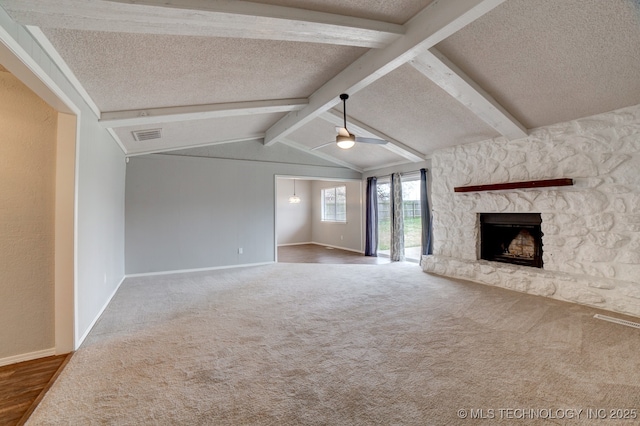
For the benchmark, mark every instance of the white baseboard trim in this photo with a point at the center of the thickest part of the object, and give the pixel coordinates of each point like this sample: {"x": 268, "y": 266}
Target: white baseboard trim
{"x": 27, "y": 357}
{"x": 95, "y": 320}
{"x": 184, "y": 271}
{"x": 294, "y": 244}
{"x": 338, "y": 247}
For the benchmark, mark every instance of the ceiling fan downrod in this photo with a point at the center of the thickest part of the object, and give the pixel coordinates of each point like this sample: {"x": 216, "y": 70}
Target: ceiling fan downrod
{"x": 345, "y": 141}
{"x": 344, "y": 98}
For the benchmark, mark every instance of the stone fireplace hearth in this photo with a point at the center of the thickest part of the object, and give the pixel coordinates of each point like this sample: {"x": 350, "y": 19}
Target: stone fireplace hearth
{"x": 589, "y": 232}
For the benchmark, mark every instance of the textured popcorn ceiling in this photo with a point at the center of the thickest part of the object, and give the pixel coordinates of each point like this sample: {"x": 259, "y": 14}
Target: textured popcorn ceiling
{"x": 363, "y": 155}
{"x": 189, "y": 133}
{"x": 549, "y": 61}
{"x": 409, "y": 107}
{"x": 315, "y": 133}
{"x": 544, "y": 61}
{"x": 254, "y": 150}
{"x": 319, "y": 132}
{"x": 132, "y": 71}
{"x": 396, "y": 12}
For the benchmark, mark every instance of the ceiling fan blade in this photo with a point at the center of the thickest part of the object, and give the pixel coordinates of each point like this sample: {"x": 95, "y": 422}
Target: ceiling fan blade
{"x": 322, "y": 146}
{"x": 371, "y": 141}
{"x": 342, "y": 131}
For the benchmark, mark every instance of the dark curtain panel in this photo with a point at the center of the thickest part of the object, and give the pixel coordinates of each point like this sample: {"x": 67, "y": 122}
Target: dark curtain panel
{"x": 371, "y": 238}
{"x": 425, "y": 214}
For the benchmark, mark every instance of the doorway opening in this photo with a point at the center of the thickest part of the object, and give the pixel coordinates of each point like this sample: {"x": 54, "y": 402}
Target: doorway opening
{"x": 324, "y": 226}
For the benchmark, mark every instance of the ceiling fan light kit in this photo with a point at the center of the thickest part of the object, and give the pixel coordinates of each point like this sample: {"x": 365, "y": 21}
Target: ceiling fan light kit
{"x": 346, "y": 139}
{"x": 345, "y": 142}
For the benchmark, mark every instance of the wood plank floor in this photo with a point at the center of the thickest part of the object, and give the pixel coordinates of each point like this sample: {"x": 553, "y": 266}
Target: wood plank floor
{"x": 23, "y": 385}
{"x": 313, "y": 253}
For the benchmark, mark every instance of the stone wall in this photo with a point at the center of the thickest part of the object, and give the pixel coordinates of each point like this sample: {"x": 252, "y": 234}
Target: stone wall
{"x": 591, "y": 230}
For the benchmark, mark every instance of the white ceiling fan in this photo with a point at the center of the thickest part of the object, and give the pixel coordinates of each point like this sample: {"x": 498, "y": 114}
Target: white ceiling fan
{"x": 346, "y": 139}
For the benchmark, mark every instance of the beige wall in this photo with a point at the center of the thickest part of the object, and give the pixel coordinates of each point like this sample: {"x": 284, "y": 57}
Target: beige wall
{"x": 27, "y": 197}
{"x": 293, "y": 220}
{"x": 344, "y": 235}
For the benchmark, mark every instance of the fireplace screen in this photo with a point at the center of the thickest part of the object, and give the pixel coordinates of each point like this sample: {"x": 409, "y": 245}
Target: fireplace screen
{"x": 511, "y": 238}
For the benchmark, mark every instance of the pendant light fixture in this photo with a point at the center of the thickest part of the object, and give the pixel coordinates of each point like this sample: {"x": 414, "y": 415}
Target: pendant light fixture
{"x": 294, "y": 199}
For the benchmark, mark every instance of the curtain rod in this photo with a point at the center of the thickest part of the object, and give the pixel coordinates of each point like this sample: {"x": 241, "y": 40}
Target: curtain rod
{"x": 401, "y": 174}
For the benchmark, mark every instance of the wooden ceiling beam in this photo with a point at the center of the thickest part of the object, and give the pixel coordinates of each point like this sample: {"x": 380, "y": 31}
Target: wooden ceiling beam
{"x": 134, "y": 153}
{"x": 207, "y": 18}
{"x": 433, "y": 24}
{"x": 116, "y": 119}
{"x": 435, "y": 66}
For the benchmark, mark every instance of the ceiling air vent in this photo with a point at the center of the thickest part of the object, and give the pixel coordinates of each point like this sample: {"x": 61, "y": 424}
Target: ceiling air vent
{"x": 145, "y": 135}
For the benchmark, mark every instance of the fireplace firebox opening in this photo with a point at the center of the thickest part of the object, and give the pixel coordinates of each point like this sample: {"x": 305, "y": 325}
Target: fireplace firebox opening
{"x": 514, "y": 238}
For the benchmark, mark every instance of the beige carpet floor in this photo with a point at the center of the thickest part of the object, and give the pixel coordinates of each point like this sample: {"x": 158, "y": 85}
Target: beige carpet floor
{"x": 314, "y": 344}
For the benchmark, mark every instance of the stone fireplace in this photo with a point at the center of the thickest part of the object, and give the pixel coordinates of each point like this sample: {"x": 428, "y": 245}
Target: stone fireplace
{"x": 588, "y": 250}
{"x": 514, "y": 238}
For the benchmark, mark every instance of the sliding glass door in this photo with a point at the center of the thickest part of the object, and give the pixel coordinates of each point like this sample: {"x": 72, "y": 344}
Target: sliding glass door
{"x": 411, "y": 214}
{"x": 412, "y": 220}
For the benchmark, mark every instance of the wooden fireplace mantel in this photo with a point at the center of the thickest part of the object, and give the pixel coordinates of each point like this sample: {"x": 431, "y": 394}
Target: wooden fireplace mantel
{"x": 515, "y": 185}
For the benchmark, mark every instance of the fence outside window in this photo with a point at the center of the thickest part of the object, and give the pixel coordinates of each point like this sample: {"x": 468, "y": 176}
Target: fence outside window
{"x": 411, "y": 209}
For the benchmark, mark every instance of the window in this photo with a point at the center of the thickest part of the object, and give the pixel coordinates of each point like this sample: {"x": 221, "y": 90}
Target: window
{"x": 384, "y": 216}
{"x": 334, "y": 204}
{"x": 412, "y": 217}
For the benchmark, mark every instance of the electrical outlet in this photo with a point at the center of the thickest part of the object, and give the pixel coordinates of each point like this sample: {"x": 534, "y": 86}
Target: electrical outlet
{"x": 240, "y": 250}
{"x": 341, "y": 237}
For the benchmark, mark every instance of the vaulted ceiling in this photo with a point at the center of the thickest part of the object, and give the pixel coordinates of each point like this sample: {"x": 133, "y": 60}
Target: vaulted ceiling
{"x": 421, "y": 74}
